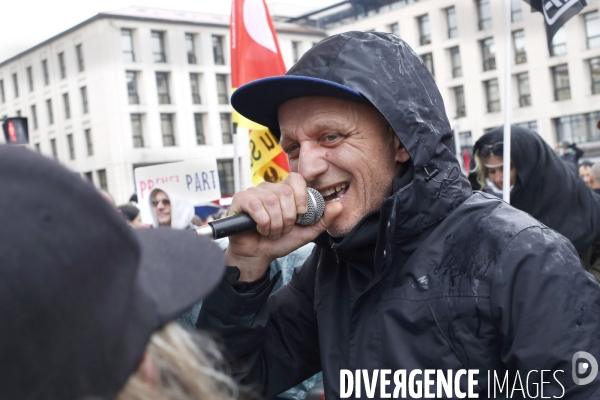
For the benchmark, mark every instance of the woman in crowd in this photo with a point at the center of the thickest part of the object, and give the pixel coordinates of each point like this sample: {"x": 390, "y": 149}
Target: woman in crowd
{"x": 543, "y": 186}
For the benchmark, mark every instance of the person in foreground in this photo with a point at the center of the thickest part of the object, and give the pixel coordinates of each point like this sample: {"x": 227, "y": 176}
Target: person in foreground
{"x": 86, "y": 302}
{"x": 544, "y": 187}
{"x": 411, "y": 271}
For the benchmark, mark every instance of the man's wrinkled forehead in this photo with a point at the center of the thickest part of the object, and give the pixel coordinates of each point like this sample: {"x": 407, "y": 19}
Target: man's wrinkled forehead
{"x": 339, "y": 110}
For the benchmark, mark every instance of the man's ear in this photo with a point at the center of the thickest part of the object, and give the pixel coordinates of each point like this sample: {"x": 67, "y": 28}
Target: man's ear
{"x": 402, "y": 155}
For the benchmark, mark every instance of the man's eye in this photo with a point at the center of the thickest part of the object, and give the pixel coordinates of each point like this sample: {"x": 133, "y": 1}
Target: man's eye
{"x": 292, "y": 148}
{"x": 331, "y": 137}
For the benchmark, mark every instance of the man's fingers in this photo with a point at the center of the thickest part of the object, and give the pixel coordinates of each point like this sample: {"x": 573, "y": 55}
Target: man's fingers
{"x": 298, "y": 184}
{"x": 332, "y": 211}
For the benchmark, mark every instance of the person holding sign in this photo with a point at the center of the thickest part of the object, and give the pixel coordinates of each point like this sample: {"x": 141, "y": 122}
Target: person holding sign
{"x": 411, "y": 271}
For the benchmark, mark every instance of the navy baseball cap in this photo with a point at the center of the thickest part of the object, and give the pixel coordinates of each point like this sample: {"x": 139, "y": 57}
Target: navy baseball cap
{"x": 259, "y": 100}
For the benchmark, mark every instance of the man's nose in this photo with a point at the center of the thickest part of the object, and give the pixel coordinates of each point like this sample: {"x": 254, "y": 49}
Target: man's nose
{"x": 312, "y": 161}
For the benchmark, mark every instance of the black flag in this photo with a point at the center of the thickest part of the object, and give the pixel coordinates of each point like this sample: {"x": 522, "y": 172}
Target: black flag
{"x": 556, "y": 14}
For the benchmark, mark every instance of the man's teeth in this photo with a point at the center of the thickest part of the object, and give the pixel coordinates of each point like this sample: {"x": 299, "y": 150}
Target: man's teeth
{"x": 332, "y": 190}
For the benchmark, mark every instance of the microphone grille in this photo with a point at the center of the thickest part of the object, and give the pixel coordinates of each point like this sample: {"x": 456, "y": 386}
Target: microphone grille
{"x": 315, "y": 209}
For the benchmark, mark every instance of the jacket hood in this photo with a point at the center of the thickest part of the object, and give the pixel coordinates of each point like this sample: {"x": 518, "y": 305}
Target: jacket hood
{"x": 388, "y": 73}
{"x": 547, "y": 188}
{"x": 182, "y": 211}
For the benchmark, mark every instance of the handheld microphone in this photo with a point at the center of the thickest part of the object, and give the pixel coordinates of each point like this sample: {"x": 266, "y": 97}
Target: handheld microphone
{"x": 242, "y": 222}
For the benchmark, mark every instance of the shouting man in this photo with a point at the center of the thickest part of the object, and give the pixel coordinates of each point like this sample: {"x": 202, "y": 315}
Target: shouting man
{"x": 411, "y": 272}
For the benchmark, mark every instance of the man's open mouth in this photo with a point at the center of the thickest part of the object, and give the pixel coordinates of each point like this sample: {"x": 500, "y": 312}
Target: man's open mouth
{"x": 335, "y": 193}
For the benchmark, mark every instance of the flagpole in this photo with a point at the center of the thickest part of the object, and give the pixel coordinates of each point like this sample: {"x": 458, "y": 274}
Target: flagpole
{"x": 236, "y": 160}
{"x": 507, "y": 102}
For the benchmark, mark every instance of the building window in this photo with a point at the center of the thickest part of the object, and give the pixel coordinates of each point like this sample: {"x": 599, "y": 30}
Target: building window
{"x": 37, "y": 148}
{"x": 53, "y": 148}
{"x": 592, "y": 29}
{"x": 559, "y": 43}
{"x": 222, "y": 91}
{"x": 2, "y": 96}
{"x": 562, "y": 87}
{"x": 195, "y": 87}
{"x": 226, "y": 128}
{"x": 459, "y": 98}
{"x": 295, "y": 51}
{"x": 132, "y": 92}
{"x": 191, "y": 50}
{"x": 531, "y": 125}
{"x": 34, "y": 117}
{"x": 484, "y": 14}
{"x": 63, "y": 67}
{"x": 84, "y": 100}
{"x": 127, "y": 45}
{"x": 519, "y": 43}
{"x": 89, "y": 142}
{"x": 492, "y": 95}
{"x": 394, "y": 29}
{"x": 71, "y": 146}
{"x": 80, "y": 64}
{"x": 451, "y": 21}
{"x": 162, "y": 86}
{"x": 158, "y": 47}
{"x": 102, "y": 182}
{"x": 455, "y": 61}
{"x": 465, "y": 140}
{"x": 18, "y": 113}
{"x": 524, "y": 92}
{"x": 226, "y": 179}
{"x": 137, "y": 131}
{"x": 595, "y": 74}
{"x": 88, "y": 176}
{"x": 488, "y": 53}
{"x": 16, "y": 84}
{"x": 578, "y": 128}
{"x": 30, "y": 78}
{"x": 424, "y": 29}
{"x": 199, "y": 124}
{"x": 67, "y": 105}
{"x": 50, "y": 113}
{"x": 168, "y": 133}
{"x": 516, "y": 14}
{"x": 46, "y": 73}
{"x": 428, "y": 61}
{"x": 217, "y": 44}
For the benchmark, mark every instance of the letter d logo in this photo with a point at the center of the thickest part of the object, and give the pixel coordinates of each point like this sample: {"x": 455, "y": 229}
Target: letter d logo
{"x": 583, "y": 367}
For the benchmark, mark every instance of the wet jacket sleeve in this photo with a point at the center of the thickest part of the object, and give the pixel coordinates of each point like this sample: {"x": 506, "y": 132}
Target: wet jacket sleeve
{"x": 271, "y": 338}
{"x": 547, "y": 309}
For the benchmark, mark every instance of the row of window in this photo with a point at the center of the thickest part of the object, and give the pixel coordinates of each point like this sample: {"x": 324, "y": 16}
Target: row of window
{"x": 591, "y": 22}
{"x": 71, "y": 145}
{"x": 159, "y": 50}
{"x": 50, "y": 109}
{"x": 168, "y": 129}
{"x": 164, "y": 92}
{"x": 560, "y": 78}
{"x": 46, "y": 73}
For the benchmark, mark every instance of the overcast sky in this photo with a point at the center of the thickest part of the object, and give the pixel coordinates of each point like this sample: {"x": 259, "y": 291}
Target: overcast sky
{"x": 26, "y": 23}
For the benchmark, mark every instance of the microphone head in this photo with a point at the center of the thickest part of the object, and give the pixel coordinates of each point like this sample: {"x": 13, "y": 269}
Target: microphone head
{"x": 315, "y": 209}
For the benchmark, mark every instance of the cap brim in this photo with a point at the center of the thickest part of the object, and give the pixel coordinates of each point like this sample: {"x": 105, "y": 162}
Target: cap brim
{"x": 177, "y": 269}
{"x": 259, "y": 100}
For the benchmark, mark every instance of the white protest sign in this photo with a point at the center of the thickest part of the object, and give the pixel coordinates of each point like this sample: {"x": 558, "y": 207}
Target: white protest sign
{"x": 196, "y": 180}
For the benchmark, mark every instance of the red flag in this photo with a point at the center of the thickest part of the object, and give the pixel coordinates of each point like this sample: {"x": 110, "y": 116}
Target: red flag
{"x": 255, "y": 50}
{"x": 255, "y": 54}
